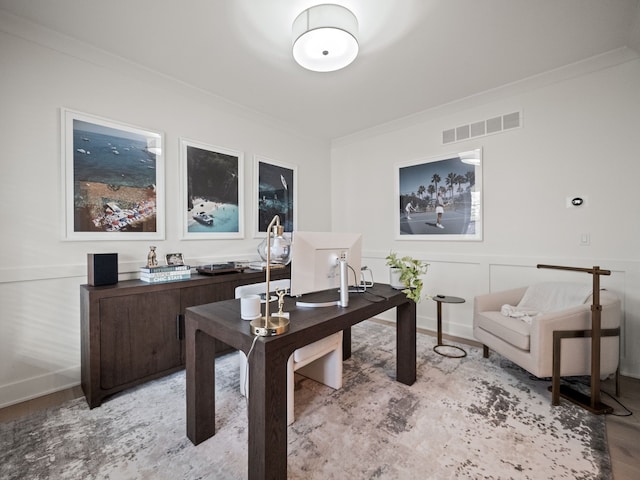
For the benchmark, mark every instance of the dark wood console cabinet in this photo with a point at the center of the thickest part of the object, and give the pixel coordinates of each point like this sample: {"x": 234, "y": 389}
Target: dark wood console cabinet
{"x": 133, "y": 331}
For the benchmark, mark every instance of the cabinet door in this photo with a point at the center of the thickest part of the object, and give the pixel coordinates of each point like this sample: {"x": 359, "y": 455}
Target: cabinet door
{"x": 138, "y": 336}
{"x": 192, "y": 296}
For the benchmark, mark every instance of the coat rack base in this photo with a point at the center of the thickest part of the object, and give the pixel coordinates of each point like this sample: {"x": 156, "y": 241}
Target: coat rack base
{"x": 583, "y": 400}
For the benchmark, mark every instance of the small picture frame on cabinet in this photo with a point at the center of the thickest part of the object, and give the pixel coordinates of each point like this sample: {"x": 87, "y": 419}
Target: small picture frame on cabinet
{"x": 174, "y": 259}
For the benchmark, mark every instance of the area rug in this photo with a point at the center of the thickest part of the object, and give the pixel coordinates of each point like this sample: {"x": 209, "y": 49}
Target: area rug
{"x": 463, "y": 418}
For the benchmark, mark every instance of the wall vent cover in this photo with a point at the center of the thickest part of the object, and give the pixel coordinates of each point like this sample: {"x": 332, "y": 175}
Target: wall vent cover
{"x": 481, "y": 128}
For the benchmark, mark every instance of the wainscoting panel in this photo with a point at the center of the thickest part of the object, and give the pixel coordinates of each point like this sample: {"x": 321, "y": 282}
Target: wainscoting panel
{"x": 469, "y": 275}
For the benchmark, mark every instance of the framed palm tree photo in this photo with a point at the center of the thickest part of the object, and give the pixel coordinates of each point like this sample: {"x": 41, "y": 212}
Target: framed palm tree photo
{"x": 440, "y": 198}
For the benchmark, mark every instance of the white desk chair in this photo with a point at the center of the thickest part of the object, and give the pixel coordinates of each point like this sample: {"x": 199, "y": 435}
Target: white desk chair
{"x": 320, "y": 361}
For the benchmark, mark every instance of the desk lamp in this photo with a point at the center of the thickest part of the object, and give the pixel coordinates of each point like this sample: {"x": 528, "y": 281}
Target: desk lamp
{"x": 278, "y": 252}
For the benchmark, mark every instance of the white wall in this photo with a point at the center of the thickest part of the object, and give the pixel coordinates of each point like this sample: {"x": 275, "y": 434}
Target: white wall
{"x": 580, "y": 136}
{"x": 40, "y": 273}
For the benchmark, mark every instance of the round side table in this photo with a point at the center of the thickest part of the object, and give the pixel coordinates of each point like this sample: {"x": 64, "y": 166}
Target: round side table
{"x": 440, "y": 299}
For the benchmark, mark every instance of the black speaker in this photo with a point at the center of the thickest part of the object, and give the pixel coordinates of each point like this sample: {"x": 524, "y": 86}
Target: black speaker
{"x": 102, "y": 268}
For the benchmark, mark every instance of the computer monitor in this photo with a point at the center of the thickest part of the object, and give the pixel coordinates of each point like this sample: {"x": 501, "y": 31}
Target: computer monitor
{"x": 325, "y": 260}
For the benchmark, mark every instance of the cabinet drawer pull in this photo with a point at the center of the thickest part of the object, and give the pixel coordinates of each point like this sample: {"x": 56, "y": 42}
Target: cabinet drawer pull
{"x": 180, "y": 326}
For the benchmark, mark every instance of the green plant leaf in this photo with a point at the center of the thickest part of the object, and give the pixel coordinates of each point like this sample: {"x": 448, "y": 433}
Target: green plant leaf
{"x": 410, "y": 271}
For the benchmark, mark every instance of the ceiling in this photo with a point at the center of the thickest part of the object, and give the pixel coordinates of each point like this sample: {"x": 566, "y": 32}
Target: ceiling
{"x": 414, "y": 54}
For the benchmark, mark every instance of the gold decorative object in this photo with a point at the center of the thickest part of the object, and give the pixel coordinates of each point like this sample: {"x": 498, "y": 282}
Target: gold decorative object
{"x": 152, "y": 261}
{"x": 281, "y": 293}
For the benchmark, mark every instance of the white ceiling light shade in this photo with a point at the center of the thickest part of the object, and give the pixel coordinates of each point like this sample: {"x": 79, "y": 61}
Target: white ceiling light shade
{"x": 325, "y": 38}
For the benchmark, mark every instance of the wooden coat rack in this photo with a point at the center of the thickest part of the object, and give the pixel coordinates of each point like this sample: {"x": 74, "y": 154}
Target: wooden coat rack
{"x": 593, "y": 403}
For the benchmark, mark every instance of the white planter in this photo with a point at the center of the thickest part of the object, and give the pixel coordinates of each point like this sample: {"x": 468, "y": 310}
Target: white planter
{"x": 394, "y": 279}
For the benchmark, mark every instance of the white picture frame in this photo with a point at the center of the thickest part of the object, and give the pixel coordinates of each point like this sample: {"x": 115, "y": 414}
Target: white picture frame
{"x": 113, "y": 179}
{"x": 275, "y": 193}
{"x": 212, "y": 191}
{"x": 440, "y": 198}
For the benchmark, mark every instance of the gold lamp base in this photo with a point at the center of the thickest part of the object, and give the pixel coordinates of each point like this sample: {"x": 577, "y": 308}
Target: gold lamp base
{"x": 269, "y": 326}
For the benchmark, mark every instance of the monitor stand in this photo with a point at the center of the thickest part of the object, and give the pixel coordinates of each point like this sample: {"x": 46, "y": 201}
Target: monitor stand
{"x": 344, "y": 290}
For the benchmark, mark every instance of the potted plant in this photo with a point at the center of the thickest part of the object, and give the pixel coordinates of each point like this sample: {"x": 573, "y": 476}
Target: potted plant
{"x": 405, "y": 275}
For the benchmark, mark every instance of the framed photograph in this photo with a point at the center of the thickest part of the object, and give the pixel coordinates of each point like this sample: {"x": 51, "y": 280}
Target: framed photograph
{"x": 212, "y": 191}
{"x": 113, "y": 177}
{"x": 173, "y": 259}
{"x": 440, "y": 198}
{"x": 276, "y": 194}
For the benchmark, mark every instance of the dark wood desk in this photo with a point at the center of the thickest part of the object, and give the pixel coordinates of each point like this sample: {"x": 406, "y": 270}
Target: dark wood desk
{"x": 268, "y": 362}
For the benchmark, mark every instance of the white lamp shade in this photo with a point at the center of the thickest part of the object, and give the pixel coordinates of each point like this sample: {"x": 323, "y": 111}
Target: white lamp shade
{"x": 325, "y": 38}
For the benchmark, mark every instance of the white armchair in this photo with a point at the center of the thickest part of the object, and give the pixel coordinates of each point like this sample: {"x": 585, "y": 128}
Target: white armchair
{"x": 321, "y": 360}
{"x": 531, "y": 345}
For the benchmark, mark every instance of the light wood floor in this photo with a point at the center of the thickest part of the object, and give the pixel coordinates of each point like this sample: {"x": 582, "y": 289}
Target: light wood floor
{"x": 623, "y": 432}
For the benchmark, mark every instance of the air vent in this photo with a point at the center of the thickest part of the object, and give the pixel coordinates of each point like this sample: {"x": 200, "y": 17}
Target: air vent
{"x": 478, "y": 129}
{"x": 449, "y": 136}
{"x": 482, "y": 128}
{"x": 494, "y": 125}
{"x": 462, "y": 133}
{"x": 511, "y": 120}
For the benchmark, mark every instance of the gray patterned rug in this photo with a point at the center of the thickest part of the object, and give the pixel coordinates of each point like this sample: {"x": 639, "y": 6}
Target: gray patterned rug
{"x": 463, "y": 418}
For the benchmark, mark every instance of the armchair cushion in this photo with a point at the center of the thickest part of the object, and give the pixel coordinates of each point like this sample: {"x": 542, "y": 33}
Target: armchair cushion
{"x": 511, "y": 330}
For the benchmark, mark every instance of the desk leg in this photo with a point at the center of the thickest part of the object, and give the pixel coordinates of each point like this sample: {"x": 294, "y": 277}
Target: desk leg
{"x": 200, "y": 373}
{"x": 346, "y": 344}
{"x": 406, "y": 343}
{"x": 267, "y": 413}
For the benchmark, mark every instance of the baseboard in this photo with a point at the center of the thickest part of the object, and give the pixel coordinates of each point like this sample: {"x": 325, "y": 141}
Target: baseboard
{"x": 39, "y": 386}
{"x": 431, "y": 333}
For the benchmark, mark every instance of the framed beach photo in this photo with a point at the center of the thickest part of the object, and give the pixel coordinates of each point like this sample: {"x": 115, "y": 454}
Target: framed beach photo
{"x": 212, "y": 191}
{"x": 275, "y": 189}
{"x": 113, "y": 176}
{"x": 440, "y": 198}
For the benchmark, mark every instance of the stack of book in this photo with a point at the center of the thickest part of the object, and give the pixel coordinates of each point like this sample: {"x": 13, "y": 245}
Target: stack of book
{"x": 167, "y": 273}
{"x": 263, "y": 265}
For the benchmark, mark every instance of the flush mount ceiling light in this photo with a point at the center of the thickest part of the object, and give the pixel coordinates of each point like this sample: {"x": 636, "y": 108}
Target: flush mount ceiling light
{"x": 325, "y": 38}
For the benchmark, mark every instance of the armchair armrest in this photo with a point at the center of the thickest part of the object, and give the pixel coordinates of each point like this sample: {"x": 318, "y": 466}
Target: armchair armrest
{"x": 574, "y": 356}
{"x": 574, "y": 318}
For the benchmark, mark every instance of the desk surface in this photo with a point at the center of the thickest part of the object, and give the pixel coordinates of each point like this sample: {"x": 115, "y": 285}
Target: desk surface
{"x": 267, "y": 433}
{"x": 307, "y": 324}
